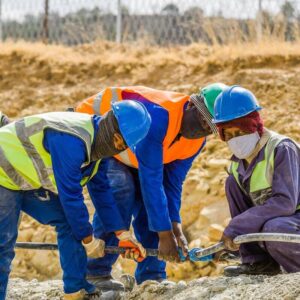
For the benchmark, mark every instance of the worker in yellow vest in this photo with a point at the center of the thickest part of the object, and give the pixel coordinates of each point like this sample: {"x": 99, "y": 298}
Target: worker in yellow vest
{"x": 263, "y": 188}
{"x": 45, "y": 160}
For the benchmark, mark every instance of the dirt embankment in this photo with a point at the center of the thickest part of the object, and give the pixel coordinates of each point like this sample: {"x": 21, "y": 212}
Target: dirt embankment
{"x": 36, "y": 78}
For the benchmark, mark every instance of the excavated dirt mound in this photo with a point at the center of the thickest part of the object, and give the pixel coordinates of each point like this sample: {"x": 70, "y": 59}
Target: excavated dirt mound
{"x": 37, "y": 78}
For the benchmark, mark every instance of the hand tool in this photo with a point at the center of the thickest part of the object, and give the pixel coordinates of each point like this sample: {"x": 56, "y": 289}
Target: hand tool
{"x": 195, "y": 254}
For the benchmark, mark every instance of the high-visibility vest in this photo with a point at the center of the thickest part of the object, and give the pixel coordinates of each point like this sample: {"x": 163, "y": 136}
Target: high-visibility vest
{"x": 25, "y": 164}
{"x": 262, "y": 176}
{"x": 172, "y": 102}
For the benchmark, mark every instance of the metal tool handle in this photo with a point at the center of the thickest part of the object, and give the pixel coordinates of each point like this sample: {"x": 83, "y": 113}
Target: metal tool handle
{"x": 268, "y": 237}
{"x": 251, "y": 237}
{"x": 50, "y": 246}
{"x": 209, "y": 250}
{"x": 197, "y": 253}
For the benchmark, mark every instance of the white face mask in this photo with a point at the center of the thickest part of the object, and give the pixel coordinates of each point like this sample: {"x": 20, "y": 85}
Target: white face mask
{"x": 243, "y": 146}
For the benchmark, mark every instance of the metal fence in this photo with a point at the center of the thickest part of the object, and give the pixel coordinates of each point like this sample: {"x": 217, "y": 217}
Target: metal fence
{"x": 159, "y": 22}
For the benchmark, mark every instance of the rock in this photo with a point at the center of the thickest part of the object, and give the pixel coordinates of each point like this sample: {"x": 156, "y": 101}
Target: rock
{"x": 215, "y": 232}
{"x": 25, "y": 235}
{"x": 128, "y": 281}
{"x": 218, "y": 288}
{"x": 195, "y": 244}
{"x": 167, "y": 283}
{"x": 205, "y": 271}
{"x": 43, "y": 261}
{"x": 218, "y": 163}
{"x": 181, "y": 285}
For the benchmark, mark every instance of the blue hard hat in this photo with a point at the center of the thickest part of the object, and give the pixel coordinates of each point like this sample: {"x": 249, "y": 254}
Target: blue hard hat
{"x": 133, "y": 119}
{"x": 233, "y": 103}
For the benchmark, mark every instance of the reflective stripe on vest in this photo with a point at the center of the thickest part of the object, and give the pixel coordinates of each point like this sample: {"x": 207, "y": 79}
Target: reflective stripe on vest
{"x": 172, "y": 102}
{"x": 24, "y": 162}
{"x": 262, "y": 176}
{"x": 98, "y": 101}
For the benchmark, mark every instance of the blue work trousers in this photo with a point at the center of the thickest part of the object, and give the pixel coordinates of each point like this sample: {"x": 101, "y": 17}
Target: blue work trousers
{"x": 45, "y": 207}
{"x": 126, "y": 189}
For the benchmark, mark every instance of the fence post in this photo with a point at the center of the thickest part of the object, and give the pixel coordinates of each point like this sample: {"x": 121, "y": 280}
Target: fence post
{"x": 45, "y": 23}
{"x": 119, "y": 23}
{"x": 1, "y": 32}
{"x": 259, "y": 21}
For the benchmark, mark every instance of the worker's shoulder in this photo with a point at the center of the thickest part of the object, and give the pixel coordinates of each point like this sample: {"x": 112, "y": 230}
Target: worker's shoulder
{"x": 287, "y": 144}
{"x": 62, "y": 138}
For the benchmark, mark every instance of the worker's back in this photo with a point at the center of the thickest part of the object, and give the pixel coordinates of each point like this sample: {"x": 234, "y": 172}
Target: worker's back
{"x": 174, "y": 146}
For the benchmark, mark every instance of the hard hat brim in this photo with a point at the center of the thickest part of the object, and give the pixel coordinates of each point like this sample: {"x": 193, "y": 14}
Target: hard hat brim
{"x": 234, "y": 116}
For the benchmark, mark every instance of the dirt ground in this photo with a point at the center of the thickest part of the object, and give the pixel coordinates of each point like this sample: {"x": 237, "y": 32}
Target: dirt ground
{"x": 37, "y": 78}
{"x": 280, "y": 287}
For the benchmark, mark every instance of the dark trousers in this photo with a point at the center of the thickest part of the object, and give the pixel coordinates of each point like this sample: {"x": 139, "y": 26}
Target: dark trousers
{"x": 125, "y": 185}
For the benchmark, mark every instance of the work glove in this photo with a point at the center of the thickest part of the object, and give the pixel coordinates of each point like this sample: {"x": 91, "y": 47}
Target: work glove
{"x": 136, "y": 251}
{"x": 95, "y": 248}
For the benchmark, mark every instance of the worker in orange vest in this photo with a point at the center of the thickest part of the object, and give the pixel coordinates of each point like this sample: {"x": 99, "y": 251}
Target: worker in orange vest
{"x": 147, "y": 183}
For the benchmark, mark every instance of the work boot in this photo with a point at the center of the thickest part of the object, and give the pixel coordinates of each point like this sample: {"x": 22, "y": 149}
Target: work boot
{"x": 106, "y": 283}
{"x": 261, "y": 268}
{"x": 83, "y": 295}
{"x": 128, "y": 281}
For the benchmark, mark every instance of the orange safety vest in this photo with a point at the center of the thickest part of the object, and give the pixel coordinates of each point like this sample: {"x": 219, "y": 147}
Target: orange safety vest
{"x": 174, "y": 103}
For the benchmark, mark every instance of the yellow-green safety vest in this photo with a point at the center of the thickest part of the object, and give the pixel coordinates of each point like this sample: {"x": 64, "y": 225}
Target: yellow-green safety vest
{"x": 25, "y": 164}
{"x": 262, "y": 176}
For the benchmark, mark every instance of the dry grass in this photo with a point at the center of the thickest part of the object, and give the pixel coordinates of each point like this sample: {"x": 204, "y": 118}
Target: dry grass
{"x": 114, "y": 53}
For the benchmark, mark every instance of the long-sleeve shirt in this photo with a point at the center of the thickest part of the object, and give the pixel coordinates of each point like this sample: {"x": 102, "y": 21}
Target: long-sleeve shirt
{"x": 285, "y": 190}
{"x": 161, "y": 184}
{"x": 68, "y": 153}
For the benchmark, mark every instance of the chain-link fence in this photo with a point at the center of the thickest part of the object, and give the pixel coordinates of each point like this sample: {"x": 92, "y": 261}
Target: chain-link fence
{"x": 159, "y": 22}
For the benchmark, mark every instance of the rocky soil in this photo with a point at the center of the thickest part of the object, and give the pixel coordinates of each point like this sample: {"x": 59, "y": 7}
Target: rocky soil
{"x": 280, "y": 287}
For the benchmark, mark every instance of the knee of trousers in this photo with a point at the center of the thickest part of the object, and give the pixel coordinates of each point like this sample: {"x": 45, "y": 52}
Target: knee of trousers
{"x": 7, "y": 254}
{"x": 63, "y": 228}
{"x": 276, "y": 225}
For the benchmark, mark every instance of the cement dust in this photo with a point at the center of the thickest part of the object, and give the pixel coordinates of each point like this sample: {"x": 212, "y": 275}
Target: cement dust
{"x": 37, "y": 78}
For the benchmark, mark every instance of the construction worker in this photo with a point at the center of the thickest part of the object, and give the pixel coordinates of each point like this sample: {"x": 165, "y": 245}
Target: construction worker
{"x": 148, "y": 184}
{"x": 44, "y": 162}
{"x": 263, "y": 188}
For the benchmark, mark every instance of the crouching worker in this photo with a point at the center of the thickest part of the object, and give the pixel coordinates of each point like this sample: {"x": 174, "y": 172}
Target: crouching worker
{"x": 44, "y": 162}
{"x": 263, "y": 189}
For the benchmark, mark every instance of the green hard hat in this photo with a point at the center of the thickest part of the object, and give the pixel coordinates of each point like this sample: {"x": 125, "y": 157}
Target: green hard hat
{"x": 210, "y": 94}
